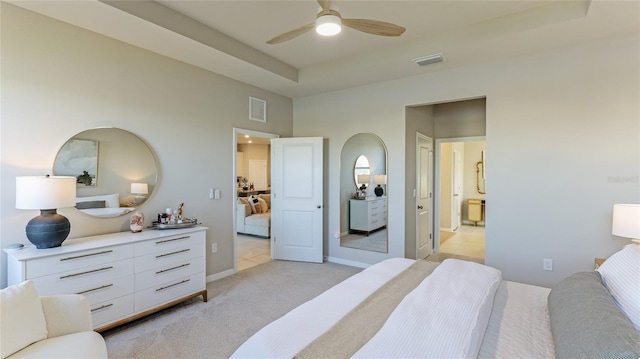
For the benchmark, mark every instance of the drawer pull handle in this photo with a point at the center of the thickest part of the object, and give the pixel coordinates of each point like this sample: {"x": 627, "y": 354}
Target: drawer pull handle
{"x": 172, "y": 285}
{"x": 87, "y": 272}
{"x": 173, "y": 239}
{"x": 174, "y": 268}
{"x": 85, "y": 255}
{"x": 94, "y": 289}
{"x": 102, "y": 307}
{"x": 172, "y": 253}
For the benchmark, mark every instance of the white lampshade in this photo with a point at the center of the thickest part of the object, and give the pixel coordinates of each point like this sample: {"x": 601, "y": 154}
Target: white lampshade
{"x": 363, "y": 179}
{"x": 45, "y": 192}
{"x": 380, "y": 179}
{"x": 139, "y": 188}
{"x": 626, "y": 221}
{"x": 328, "y": 25}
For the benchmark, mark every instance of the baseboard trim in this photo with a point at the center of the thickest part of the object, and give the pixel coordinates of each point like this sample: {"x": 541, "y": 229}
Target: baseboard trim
{"x": 347, "y": 262}
{"x": 220, "y": 275}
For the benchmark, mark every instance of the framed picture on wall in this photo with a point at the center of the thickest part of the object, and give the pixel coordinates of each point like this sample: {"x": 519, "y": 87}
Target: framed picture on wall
{"x": 78, "y": 158}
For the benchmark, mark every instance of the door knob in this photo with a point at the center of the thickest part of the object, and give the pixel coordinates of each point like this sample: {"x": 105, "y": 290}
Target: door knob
{"x": 420, "y": 207}
{"x": 318, "y": 206}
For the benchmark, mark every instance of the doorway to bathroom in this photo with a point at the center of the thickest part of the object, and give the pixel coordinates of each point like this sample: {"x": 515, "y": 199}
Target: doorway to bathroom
{"x": 461, "y": 198}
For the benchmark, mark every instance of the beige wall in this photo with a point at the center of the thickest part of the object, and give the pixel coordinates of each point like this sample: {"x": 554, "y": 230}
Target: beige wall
{"x": 58, "y": 80}
{"x": 565, "y": 122}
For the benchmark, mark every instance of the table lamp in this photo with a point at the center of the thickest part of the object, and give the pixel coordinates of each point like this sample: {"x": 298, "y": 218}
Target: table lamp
{"x": 47, "y": 194}
{"x": 626, "y": 221}
{"x": 379, "y": 180}
{"x": 364, "y": 180}
{"x": 140, "y": 190}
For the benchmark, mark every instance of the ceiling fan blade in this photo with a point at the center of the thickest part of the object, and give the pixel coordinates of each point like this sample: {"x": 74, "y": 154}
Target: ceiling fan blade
{"x": 374, "y": 27}
{"x": 291, "y": 34}
{"x": 325, "y": 4}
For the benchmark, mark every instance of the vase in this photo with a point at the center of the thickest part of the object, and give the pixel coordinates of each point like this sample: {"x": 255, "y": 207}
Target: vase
{"x": 137, "y": 222}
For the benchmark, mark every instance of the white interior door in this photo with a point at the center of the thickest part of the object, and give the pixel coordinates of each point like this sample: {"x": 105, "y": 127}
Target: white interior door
{"x": 258, "y": 174}
{"x": 457, "y": 190}
{"x": 296, "y": 198}
{"x": 425, "y": 196}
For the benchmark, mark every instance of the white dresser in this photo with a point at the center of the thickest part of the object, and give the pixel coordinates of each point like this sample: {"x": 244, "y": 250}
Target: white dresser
{"x": 367, "y": 215}
{"x": 124, "y": 275}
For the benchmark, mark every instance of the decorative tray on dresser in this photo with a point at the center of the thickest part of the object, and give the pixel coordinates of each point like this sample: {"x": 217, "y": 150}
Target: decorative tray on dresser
{"x": 124, "y": 275}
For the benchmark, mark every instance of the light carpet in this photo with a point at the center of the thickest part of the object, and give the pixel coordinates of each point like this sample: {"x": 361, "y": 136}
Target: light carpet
{"x": 238, "y": 306}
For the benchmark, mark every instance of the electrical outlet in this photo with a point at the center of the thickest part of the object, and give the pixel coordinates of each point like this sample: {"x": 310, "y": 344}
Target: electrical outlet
{"x": 547, "y": 264}
{"x": 214, "y": 247}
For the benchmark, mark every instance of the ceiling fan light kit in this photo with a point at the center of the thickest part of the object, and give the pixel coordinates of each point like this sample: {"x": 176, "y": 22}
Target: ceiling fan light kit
{"x": 328, "y": 25}
{"x": 329, "y": 22}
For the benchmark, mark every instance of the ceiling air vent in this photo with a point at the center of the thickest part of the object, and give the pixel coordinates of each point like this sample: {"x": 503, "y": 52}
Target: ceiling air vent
{"x": 427, "y": 60}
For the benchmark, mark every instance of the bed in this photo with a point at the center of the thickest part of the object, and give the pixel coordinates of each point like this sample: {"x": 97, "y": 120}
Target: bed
{"x": 102, "y": 205}
{"x": 402, "y": 308}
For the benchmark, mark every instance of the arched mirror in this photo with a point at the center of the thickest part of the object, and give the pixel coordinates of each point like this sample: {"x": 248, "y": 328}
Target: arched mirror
{"x": 115, "y": 170}
{"x": 363, "y": 207}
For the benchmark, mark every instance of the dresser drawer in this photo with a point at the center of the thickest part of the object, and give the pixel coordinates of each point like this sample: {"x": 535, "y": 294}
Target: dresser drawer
{"x": 86, "y": 277}
{"x": 172, "y": 272}
{"x": 72, "y": 261}
{"x": 111, "y": 310}
{"x": 169, "y": 291}
{"x": 168, "y": 257}
{"x": 109, "y": 289}
{"x": 168, "y": 243}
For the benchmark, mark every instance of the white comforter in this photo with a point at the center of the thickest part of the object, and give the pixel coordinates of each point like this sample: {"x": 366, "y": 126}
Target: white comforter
{"x": 444, "y": 317}
{"x": 107, "y": 212}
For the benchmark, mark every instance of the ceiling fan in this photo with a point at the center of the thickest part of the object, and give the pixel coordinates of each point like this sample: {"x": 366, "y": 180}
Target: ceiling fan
{"x": 328, "y": 22}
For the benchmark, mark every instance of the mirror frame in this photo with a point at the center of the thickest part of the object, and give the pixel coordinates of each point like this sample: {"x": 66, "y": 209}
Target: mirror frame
{"x": 125, "y": 197}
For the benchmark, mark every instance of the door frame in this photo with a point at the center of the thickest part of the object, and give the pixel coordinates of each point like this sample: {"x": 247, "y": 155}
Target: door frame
{"x": 236, "y": 132}
{"x": 456, "y": 171}
{"x": 436, "y": 180}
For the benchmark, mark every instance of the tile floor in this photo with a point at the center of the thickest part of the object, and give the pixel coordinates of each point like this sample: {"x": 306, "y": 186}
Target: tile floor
{"x": 252, "y": 251}
{"x": 467, "y": 243}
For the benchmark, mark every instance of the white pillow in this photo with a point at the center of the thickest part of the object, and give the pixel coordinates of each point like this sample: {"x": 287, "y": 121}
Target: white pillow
{"x": 110, "y": 200}
{"x": 23, "y": 320}
{"x": 255, "y": 205}
{"x": 263, "y": 205}
{"x": 621, "y": 275}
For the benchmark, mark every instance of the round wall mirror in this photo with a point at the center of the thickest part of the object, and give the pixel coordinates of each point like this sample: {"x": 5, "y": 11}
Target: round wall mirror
{"x": 361, "y": 170}
{"x": 115, "y": 170}
{"x": 363, "y": 217}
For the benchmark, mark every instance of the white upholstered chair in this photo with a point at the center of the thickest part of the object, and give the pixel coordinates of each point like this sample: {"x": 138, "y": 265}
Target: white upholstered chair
{"x": 46, "y": 327}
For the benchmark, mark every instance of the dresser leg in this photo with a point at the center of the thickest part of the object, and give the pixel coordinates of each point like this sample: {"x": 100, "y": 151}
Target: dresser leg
{"x": 204, "y": 295}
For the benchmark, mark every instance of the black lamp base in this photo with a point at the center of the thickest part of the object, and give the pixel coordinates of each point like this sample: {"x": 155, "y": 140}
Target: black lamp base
{"x": 48, "y": 230}
{"x": 378, "y": 191}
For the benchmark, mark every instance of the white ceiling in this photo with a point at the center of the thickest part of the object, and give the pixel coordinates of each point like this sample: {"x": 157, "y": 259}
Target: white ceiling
{"x": 229, "y": 37}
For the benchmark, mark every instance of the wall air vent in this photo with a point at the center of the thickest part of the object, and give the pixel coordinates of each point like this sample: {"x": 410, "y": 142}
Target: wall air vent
{"x": 257, "y": 109}
{"x": 427, "y": 60}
